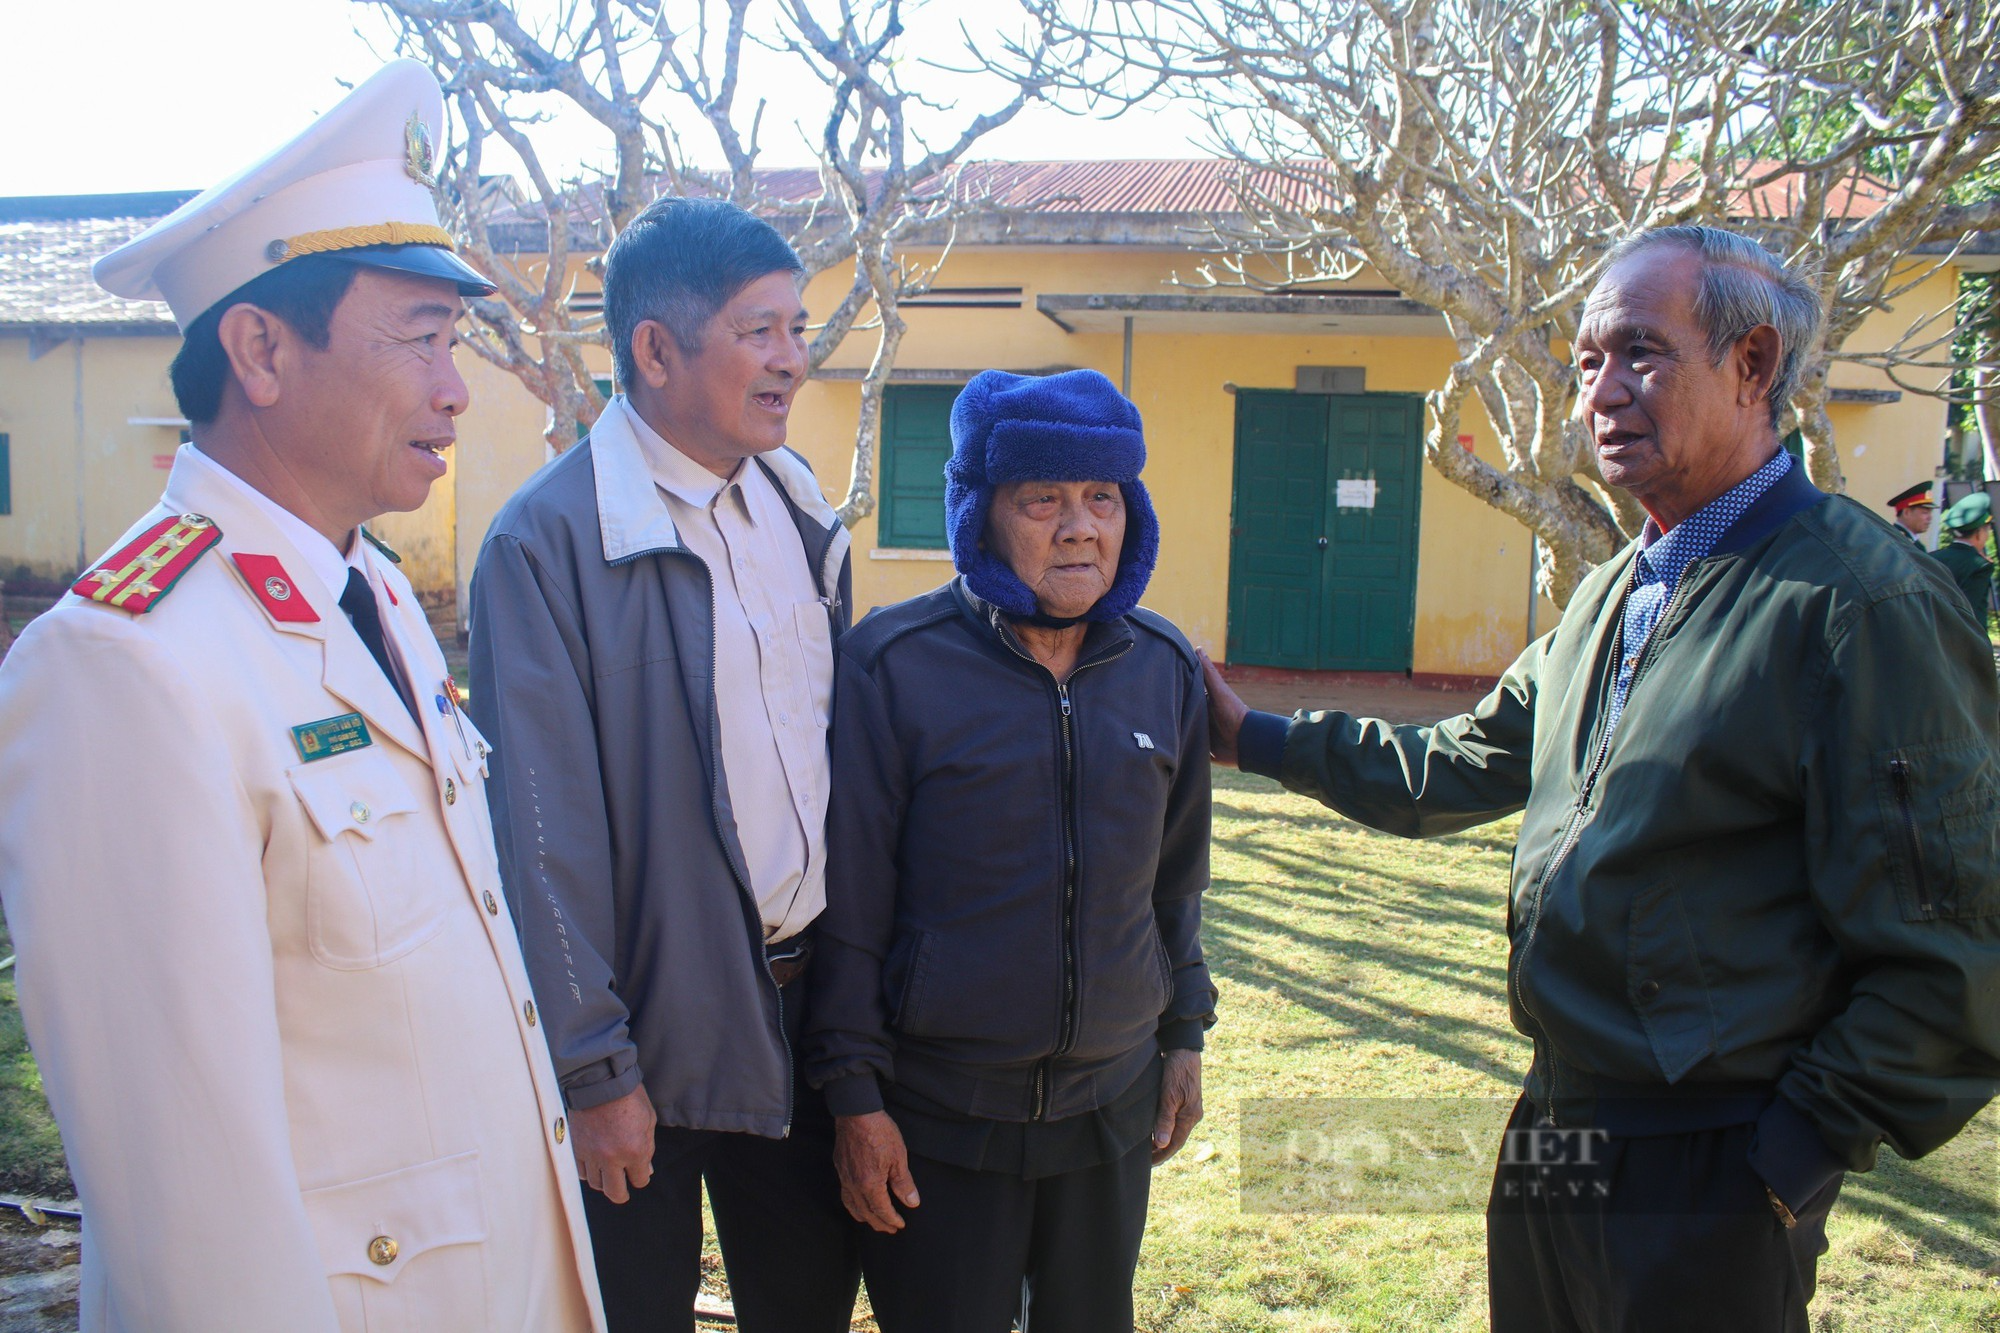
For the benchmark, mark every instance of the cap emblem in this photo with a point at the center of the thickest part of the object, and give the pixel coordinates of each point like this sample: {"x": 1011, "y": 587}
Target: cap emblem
{"x": 417, "y": 151}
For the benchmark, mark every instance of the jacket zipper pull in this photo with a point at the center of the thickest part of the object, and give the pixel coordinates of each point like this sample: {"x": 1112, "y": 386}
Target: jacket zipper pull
{"x": 1062, "y": 692}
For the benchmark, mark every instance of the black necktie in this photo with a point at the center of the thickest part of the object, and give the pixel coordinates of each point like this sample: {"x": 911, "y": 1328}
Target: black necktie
{"x": 359, "y": 603}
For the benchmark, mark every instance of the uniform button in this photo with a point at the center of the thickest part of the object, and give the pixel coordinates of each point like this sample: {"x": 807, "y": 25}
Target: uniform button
{"x": 1648, "y": 989}
{"x": 562, "y": 1130}
{"x": 492, "y": 907}
{"x": 382, "y": 1251}
{"x": 450, "y": 792}
{"x": 359, "y": 811}
{"x": 528, "y": 1009}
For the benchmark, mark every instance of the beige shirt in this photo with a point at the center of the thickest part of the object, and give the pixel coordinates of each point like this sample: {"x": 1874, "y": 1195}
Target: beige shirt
{"x": 773, "y": 671}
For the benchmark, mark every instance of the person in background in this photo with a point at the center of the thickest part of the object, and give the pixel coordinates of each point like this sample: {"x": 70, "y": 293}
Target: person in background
{"x": 1914, "y": 511}
{"x": 653, "y": 619}
{"x": 1755, "y": 913}
{"x": 1969, "y": 523}
{"x": 1009, "y": 1000}
{"x": 282, "y": 1021}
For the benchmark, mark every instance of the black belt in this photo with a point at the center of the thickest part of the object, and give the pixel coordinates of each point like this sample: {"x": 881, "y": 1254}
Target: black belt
{"x": 787, "y": 958}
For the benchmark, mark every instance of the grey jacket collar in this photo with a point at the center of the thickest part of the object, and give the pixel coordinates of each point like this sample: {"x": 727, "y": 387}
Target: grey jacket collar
{"x": 632, "y": 515}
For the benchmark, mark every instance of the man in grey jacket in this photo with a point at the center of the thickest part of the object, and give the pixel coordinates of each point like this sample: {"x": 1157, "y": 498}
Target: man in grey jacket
{"x": 653, "y": 620}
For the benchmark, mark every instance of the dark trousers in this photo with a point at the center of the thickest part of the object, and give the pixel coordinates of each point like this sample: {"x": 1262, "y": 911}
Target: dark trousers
{"x": 787, "y": 1243}
{"x": 986, "y": 1248}
{"x": 1594, "y": 1233}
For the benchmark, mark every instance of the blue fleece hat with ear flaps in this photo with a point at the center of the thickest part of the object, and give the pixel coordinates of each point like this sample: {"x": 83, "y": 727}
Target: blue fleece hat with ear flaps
{"x": 1070, "y": 427}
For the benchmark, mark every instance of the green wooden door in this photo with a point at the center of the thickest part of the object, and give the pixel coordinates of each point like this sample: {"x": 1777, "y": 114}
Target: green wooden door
{"x": 1371, "y": 556}
{"x": 916, "y": 442}
{"x": 1276, "y": 569}
{"x": 1322, "y": 575}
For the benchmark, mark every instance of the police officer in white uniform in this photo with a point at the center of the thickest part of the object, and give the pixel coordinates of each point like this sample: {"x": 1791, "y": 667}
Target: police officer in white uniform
{"x": 280, "y": 1014}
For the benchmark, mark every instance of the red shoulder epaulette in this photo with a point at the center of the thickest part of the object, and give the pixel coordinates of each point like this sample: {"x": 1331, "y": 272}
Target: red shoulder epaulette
{"x": 141, "y": 572}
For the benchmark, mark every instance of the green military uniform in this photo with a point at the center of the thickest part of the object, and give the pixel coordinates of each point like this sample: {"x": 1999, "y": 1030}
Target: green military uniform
{"x": 1916, "y": 497}
{"x": 1967, "y": 561}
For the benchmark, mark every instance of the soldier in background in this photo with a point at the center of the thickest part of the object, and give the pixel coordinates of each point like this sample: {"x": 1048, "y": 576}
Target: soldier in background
{"x": 1914, "y": 511}
{"x": 1969, "y": 523}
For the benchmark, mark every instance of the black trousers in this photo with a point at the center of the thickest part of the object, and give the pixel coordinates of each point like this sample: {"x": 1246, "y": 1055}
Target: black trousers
{"x": 1595, "y": 1233}
{"x": 788, "y": 1246}
{"x": 986, "y": 1248}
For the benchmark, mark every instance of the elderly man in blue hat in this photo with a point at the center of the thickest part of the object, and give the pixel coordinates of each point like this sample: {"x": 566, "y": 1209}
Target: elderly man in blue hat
{"x": 1007, "y": 1021}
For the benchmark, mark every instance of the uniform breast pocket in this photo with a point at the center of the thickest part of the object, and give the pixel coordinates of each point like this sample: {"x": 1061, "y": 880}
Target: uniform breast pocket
{"x": 368, "y": 901}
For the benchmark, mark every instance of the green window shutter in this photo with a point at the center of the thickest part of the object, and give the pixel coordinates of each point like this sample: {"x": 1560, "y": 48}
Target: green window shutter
{"x": 916, "y": 441}
{"x": 6, "y": 478}
{"x": 1795, "y": 445}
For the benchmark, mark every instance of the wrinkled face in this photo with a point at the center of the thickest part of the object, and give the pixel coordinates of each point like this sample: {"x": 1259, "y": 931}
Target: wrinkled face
{"x": 732, "y": 398}
{"x": 1664, "y": 421}
{"x": 1917, "y": 518}
{"x": 1061, "y": 538}
{"x": 366, "y": 421}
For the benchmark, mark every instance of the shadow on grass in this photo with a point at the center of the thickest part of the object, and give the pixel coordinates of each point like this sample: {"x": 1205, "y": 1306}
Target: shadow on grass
{"x": 1328, "y": 900}
{"x": 1948, "y": 1203}
{"x": 1365, "y": 930}
{"x": 31, "y": 1153}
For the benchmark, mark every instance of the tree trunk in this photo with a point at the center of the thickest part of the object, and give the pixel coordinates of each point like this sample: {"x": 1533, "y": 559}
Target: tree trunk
{"x": 1986, "y": 383}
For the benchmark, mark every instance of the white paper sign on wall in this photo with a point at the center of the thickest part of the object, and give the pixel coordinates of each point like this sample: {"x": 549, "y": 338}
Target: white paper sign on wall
{"x": 1354, "y": 493}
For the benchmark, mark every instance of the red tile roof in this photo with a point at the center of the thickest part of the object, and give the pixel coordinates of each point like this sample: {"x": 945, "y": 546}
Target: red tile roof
{"x": 1196, "y": 185}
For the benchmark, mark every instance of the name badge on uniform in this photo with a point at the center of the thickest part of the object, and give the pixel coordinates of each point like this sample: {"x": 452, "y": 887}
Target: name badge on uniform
{"x": 331, "y": 736}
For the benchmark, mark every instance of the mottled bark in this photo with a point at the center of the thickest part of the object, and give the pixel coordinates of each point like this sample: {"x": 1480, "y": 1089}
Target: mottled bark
{"x": 1483, "y": 155}
{"x": 643, "y": 72}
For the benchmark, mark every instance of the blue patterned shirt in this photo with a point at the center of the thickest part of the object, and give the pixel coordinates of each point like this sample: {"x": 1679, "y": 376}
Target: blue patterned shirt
{"x": 1664, "y": 557}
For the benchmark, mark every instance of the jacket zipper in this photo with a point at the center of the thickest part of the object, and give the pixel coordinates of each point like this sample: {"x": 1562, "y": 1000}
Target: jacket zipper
{"x": 1067, "y": 1029}
{"x": 1579, "y": 814}
{"x": 1899, "y": 778}
{"x": 830, "y": 600}
{"x": 742, "y": 873}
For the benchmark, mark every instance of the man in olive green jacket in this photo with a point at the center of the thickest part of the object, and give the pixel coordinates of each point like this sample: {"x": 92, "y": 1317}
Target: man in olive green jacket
{"x": 1755, "y": 912}
{"x": 1969, "y": 524}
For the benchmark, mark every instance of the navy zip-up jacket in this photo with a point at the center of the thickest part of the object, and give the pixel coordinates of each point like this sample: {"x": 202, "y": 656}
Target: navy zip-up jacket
{"x": 1015, "y": 867}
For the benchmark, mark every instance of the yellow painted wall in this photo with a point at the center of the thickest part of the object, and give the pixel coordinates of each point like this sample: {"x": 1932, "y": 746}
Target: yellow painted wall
{"x": 1888, "y": 446}
{"x": 82, "y": 473}
{"x": 1472, "y": 564}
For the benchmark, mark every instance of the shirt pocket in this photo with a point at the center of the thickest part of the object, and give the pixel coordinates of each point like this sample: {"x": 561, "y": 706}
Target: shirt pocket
{"x": 368, "y": 900}
{"x": 1938, "y": 805}
{"x": 372, "y": 1233}
{"x": 815, "y": 648}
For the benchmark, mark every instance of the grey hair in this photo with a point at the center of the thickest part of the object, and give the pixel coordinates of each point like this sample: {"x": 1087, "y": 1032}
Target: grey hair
{"x": 1742, "y": 285}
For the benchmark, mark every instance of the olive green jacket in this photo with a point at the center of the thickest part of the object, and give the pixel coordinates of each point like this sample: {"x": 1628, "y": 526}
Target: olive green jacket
{"x": 1782, "y": 876}
{"x": 1971, "y": 571}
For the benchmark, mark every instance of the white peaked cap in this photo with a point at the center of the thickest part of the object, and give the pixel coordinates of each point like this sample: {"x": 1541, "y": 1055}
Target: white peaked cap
{"x": 355, "y": 184}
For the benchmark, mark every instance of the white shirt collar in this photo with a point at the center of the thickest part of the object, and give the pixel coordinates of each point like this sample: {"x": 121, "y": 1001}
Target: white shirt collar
{"x": 673, "y": 471}
{"x": 322, "y": 557}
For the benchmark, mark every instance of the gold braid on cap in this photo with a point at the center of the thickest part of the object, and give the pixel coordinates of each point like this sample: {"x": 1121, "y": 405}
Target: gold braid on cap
{"x": 353, "y": 238}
